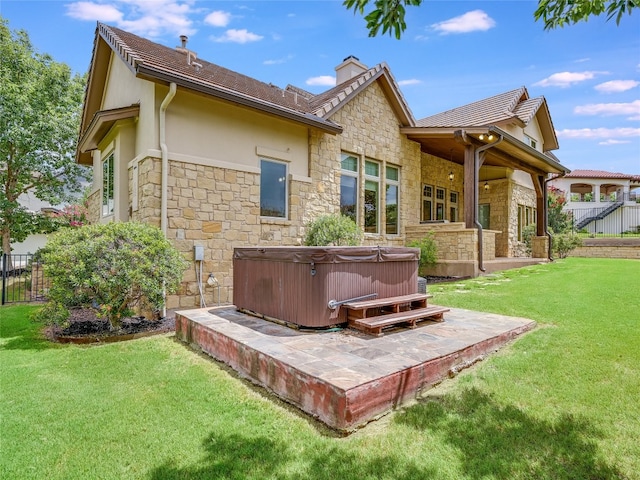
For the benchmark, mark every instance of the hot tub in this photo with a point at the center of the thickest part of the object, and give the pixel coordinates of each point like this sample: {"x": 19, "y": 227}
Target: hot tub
{"x": 303, "y": 286}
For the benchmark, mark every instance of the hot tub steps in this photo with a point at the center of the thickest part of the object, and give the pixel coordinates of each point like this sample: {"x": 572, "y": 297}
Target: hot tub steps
{"x": 374, "y": 325}
{"x": 371, "y": 316}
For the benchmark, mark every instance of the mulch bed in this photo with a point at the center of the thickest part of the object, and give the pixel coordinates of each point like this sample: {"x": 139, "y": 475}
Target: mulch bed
{"x": 86, "y": 327}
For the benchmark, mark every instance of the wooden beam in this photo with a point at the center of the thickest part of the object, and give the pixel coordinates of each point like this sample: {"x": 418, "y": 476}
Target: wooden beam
{"x": 470, "y": 185}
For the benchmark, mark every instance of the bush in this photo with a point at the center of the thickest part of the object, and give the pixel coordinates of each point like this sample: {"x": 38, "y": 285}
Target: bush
{"x": 528, "y": 234}
{"x": 114, "y": 267}
{"x": 428, "y": 251}
{"x": 333, "y": 230}
{"x": 564, "y": 243}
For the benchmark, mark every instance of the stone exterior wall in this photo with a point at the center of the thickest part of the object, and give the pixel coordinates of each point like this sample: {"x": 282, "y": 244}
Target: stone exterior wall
{"x": 371, "y": 131}
{"x": 94, "y": 206}
{"x": 520, "y": 196}
{"x": 435, "y": 171}
{"x": 219, "y": 208}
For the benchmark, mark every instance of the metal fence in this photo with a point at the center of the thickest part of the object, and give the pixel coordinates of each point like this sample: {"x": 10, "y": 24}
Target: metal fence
{"x": 22, "y": 279}
{"x": 611, "y": 220}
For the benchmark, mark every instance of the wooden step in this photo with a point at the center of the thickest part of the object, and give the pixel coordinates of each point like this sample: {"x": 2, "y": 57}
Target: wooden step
{"x": 374, "y": 325}
{"x": 381, "y": 302}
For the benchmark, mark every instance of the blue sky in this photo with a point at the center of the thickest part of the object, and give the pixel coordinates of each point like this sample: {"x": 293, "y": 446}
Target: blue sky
{"x": 452, "y": 53}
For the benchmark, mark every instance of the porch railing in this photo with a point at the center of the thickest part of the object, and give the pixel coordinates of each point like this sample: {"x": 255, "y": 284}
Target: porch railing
{"x": 22, "y": 279}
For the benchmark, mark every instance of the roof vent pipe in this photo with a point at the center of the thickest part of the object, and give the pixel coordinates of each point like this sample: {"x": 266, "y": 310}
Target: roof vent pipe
{"x": 183, "y": 40}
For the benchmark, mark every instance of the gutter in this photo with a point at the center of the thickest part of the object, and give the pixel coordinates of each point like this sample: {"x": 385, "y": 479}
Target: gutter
{"x": 476, "y": 160}
{"x": 240, "y": 99}
{"x": 165, "y": 157}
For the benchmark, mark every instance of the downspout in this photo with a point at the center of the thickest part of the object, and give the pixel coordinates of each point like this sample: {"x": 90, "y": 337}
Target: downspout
{"x": 165, "y": 173}
{"x": 476, "y": 159}
{"x": 165, "y": 157}
{"x": 546, "y": 214}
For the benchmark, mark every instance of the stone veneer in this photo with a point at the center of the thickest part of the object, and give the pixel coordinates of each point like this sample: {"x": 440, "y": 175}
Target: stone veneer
{"x": 435, "y": 171}
{"x": 220, "y": 208}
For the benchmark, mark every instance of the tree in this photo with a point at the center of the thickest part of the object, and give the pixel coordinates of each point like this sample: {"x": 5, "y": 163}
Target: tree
{"x": 558, "y": 13}
{"x": 389, "y": 14}
{"x": 559, "y": 221}
{"x": 40, "y": 108}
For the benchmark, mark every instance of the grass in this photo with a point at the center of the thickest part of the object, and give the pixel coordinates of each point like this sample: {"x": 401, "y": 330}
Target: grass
{"x": 559, "y": 403}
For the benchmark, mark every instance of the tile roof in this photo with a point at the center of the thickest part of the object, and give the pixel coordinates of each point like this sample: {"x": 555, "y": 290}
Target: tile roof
{"x": 601, "y": 174}
{"x": 136, "y": 51}
{"x": 489, "y": 111}
{"x": 142, "y": 54}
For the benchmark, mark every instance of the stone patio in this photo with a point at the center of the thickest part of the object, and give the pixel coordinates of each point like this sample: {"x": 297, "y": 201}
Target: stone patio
{"x": 346, "y": 378}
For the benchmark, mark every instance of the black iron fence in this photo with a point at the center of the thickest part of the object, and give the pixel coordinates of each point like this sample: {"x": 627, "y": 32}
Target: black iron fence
{"x": 22, "y": 279}
{"x": 609, "y": 220}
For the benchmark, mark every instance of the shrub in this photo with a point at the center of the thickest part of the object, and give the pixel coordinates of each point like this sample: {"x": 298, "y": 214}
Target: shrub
{"x": 333, "y": 230}
{"x": 528, "y": 233}
{"x": 428, "y": 251}
{"x": 114, "y": 267}
{"x": 564, "y": 243}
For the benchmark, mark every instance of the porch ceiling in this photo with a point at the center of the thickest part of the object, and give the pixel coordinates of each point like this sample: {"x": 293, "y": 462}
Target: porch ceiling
{"x": 511, "y": 152}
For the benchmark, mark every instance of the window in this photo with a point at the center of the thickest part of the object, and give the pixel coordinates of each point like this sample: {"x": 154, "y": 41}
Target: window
{"x": 526, "y": 217}
{"x": 273, "y": 189}
{"x": 440, "y": 197}
{"x": 427, "y": 203}
{"x": 371, "y": 196}
{"x": 530, "y": 141}
{"x": 108, "y": 198}
{"x": 484, "y": 214}
{"x": 392, "y": 179}
{"x": 453, "y": 206}
{"x": 349, "y": 187}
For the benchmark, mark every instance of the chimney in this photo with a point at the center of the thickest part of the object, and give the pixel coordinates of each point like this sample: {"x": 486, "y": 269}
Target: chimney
{"x": 348, "y": 69}
{"x": 191, "y": 56}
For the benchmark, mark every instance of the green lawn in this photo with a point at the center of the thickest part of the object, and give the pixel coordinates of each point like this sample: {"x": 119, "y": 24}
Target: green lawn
{"x": 562, "y": 402}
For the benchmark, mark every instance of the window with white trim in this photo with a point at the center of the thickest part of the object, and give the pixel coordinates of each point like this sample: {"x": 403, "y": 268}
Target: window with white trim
{"x": 349, "y": 187}
{"x": 392, "y": 200}
{"x": 427, "y": 203}
{"x": 371, "y": 197}
{"x": 108, "y": 192}
{"x": 273, "y": 189}
{"x": 530, "y": 141}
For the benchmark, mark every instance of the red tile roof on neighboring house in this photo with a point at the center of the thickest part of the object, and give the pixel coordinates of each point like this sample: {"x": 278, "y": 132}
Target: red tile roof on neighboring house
{"x": 602, "y": 174}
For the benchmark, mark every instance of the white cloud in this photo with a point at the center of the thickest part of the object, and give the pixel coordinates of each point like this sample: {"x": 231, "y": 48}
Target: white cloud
{"x": 566, "y": 79}
{"x": 473, "y": 21}
{"x": 595, "y": 133}
{"x": 238, "y": 36}
{"x": 218, "y": 18}
{"x": 278, "y": 61}
{"x": 93, "y": 12}
{"x": 613, "y": 142}
{"x": 615, "y": 86}
{"x": 610, "y": 109}
{"x": 411, "y": 81}
{"x": 142, "y": 17}
{"x": 323, "y": 80}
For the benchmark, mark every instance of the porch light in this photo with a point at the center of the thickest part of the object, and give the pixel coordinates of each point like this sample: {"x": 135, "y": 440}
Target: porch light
{"x": 486, "y": 186}
{"x": 488, "y": 136}
{"x": 451, "y": 176}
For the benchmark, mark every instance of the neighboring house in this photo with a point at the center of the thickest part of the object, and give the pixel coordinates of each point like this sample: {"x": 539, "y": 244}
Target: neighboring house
{"x": 602, "y": 202}
{"x": 218, "y": 160}
{"x": 35, "y": 241}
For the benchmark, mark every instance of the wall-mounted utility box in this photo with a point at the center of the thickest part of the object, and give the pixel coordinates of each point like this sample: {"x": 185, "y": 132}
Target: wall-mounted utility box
{"x": 198, "y": 252}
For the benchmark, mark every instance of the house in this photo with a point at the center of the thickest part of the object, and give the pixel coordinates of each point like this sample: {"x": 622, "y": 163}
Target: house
{"x": 601, "y": 202}
{"x": 218, "y": 160}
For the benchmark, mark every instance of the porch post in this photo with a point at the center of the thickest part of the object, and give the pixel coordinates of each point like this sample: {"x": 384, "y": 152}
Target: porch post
{"x": 470, "y": 186}
{"x": 541, "y": 204}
